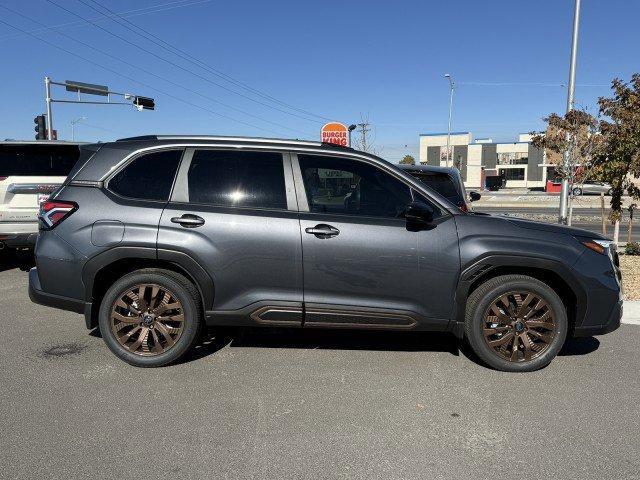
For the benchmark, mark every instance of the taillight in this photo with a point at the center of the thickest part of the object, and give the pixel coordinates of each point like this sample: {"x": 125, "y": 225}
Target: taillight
{"x": 55, "y": 211}
{"x": 3, "y": 178}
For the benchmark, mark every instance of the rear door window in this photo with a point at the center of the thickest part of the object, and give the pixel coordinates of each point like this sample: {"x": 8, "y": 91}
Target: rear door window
{"x": 148, "y": 177}
{"x": 237, "y": 179}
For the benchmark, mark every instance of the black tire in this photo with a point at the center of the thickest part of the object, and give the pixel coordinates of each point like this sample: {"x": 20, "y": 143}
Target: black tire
{"x": 577, "y": 191}
{"x": 610, "y": 192}
{"x": 185, "y": 292}
{"x": 481, "y": 300}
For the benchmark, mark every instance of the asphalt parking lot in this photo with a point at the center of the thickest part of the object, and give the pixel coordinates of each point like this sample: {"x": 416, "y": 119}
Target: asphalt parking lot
{"x": 307, "y": 404}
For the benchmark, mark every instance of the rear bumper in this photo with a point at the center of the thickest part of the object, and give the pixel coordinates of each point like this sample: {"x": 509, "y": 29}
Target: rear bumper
{"x": 613, "y": 323}
{"x": 37, "y": 295}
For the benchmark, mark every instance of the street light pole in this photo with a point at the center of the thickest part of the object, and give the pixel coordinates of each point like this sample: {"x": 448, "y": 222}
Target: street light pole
{"x": 564, "y": 195}
{"x": 451, "y": 87}
{"x": 73, "y": 125}
{"x": 47, "y": 89}
{"x": 351, "y": 128}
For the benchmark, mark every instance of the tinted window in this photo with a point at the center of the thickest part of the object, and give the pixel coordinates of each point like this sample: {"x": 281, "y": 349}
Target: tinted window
{"x": 336, "y": 185}
{"x": 513, "y": 173}
{"x": 237, "y": 179}
{"x": 148, "y": 177}
{"x": 441, "y": 183}
{"x": 37, "y": 160}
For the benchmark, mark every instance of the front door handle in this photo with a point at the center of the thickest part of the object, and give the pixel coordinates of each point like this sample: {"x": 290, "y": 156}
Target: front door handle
{"x": 188, "y": 220}
{"x": 322, "y": 231}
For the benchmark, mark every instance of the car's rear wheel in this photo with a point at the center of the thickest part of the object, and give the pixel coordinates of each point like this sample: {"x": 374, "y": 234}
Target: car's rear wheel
{"x": 610, "y": 192}
{"x": 151, "y": 317}
{"x": 515, "y": 323}
{"x": 577, "y": 191}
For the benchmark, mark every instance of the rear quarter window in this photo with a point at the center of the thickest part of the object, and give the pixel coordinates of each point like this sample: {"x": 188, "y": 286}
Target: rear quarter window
{"x": 147, "y": 177}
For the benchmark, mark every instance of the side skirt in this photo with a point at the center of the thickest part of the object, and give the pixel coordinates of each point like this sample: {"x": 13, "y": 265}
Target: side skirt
{"x": 287, "y": 314}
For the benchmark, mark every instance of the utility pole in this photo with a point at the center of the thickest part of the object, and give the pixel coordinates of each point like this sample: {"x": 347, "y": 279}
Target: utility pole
{"x": 564, "y": 194}
{"x": 364, "y": 129}
{"x": 451, "y": 88}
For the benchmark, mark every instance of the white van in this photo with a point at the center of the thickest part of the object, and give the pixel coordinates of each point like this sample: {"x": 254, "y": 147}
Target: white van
{"x": 29, "y": 172}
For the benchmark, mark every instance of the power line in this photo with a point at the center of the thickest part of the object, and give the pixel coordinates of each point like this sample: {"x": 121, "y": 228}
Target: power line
{"x": 85, "y": 124}
{"x": 163, "y": 7}
{"x": 154, "y": 74}
{"x": 115, "y": 72}
{"x": 180, "y": 67}
{"x": 527, "y": 84}
{"x": 135, "y": 28}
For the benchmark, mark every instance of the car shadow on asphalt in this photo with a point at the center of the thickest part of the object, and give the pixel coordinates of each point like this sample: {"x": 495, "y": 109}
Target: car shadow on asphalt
{"x": 354, "y": 340}
{"x": 346, "y": 340}
{"x": 579, "y": 346}
{"x": 10, "y": 260}
{"x": 216, "y": 339}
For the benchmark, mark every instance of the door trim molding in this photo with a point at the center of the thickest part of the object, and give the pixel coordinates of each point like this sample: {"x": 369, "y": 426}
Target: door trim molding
{"x": 336, "y": 317}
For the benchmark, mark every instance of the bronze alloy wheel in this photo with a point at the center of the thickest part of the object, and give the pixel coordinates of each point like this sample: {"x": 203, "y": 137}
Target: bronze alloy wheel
{"x": 147, "y": 319}
{"x": 519, "y": 326}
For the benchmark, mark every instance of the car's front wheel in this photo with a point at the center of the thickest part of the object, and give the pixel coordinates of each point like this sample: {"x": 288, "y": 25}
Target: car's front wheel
{"x": 151, "y": 317}
{"x": 515, "y": 323}
{"x": 577, "y": 191}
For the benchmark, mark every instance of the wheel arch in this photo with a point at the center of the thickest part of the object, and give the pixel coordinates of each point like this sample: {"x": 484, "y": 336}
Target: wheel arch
{"x": 551, "y": 272}
{"x": 102, "y": 270}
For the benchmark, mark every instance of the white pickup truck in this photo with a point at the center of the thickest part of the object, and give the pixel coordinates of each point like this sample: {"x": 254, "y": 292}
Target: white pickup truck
{"x": 29, "y": 172}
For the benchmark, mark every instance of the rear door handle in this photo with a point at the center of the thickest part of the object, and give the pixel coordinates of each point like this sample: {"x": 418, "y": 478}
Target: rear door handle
{"x": 323, "y": 231}
{"x": 188, "y": 220}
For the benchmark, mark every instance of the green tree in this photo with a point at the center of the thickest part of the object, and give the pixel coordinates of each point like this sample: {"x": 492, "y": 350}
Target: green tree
{"x": 577, "y": 132}
{"x": 408, "y": 160}
{"x": 605, "y": 148}
{"x": 619, "y": 163}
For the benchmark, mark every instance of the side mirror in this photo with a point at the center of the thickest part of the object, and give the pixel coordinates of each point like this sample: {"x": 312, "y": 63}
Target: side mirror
{"x": 419, "y": 215}
{"x": 474, "y": 196}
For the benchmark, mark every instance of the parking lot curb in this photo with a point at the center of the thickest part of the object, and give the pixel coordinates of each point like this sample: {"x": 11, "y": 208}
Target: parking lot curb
{"x": 631, "y": 313}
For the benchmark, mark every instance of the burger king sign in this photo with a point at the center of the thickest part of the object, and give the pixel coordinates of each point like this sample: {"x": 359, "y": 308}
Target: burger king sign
{"x": 335, "y": 132}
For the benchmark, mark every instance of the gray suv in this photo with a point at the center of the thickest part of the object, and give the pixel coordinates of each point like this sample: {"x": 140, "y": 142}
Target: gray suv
{"x": 154, "y": 238}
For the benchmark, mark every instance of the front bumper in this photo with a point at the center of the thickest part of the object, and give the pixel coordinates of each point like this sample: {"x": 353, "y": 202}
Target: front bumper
{"x": 613, "y": 323}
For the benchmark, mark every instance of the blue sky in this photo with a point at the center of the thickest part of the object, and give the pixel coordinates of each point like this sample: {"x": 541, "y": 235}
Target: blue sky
{"x": 345, "y": 61}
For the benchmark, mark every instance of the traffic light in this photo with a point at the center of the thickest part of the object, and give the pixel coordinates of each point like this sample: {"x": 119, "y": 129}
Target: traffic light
{"x": 40, "y": 128}
{"x": 144, "y": 103}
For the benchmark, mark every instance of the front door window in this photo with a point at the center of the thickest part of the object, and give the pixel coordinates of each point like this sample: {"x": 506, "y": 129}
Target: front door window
{"x": 348, "y": 187}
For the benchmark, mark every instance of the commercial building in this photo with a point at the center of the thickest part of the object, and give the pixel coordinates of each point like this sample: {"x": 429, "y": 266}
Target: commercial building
{"x": 521, "y": 164}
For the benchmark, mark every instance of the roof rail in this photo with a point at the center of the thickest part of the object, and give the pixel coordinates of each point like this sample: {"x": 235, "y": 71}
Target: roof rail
{"x": 141, "y": 137}
{"x": 237, "y": 139}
